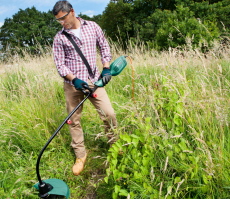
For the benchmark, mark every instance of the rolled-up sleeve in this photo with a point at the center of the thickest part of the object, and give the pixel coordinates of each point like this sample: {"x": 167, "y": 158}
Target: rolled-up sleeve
{"x": 59, "y": 57}
{"x": 103, "y": 45}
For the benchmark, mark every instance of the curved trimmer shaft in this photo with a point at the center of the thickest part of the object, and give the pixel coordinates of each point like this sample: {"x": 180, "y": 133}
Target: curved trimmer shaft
{"x": 44, "y": 188}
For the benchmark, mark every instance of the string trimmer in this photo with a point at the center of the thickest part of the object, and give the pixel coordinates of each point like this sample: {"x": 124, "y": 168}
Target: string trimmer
{"x": 54, "y": 188}
{"x": 115, "y": 68}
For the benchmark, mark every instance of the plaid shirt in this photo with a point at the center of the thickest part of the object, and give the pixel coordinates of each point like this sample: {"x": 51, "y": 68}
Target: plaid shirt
{"x": 67, "y": 59}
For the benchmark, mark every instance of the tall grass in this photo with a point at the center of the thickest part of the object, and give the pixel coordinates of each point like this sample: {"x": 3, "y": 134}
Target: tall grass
{"x": 182, "y": 96}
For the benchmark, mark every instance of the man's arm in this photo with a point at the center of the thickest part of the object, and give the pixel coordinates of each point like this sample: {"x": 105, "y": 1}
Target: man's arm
{"x": 106, "y": 65}
{"x": 59, "y": 58}
{"x": 70, "y": 77}
{"x": 103, "y": 46}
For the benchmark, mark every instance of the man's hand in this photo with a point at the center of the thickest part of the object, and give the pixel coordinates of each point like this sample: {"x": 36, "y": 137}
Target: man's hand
{"x": 106, "y": 75}
{"x": 78, "y": 84}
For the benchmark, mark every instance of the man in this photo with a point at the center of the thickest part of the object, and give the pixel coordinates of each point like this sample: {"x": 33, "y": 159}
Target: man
{"x": 87, "y": 35}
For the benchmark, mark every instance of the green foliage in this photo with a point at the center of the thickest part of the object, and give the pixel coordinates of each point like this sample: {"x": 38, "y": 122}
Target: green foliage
{"x": 163, "y": 162}
{"x": 32, "y": 106}
{"x": 181, "y": 24}
{"x": 122, "y": 22}
{"x": 174, "y": 141}
{"x": 95, "y": 18}
{"x": 170, "y": 153}
{"x": 163, "y": 24}
{"x": 214, "y": 12}
{"x": 159, "y": 24}
{"x": 27, "y": 28}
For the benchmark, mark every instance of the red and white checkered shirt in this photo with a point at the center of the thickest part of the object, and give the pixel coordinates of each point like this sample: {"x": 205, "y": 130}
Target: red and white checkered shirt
{"x": 67, "y": 59}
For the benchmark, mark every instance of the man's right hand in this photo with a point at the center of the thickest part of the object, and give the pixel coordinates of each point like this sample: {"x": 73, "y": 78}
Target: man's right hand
{"x": 106, "y": 75}
{"x": 78, "y": 84}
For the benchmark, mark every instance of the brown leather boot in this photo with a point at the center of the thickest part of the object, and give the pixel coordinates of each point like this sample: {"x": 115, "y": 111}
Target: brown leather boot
{"x": 79, "y": 165}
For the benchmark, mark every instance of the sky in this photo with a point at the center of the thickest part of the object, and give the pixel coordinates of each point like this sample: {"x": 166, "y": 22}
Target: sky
{"x": 89, "y": 7}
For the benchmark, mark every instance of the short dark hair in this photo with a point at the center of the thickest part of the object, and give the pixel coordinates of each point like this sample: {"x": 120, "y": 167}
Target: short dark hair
{"x": 63, "y": 6}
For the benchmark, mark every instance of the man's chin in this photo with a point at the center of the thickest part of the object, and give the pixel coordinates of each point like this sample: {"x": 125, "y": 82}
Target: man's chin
{"x": 67, "y": 27}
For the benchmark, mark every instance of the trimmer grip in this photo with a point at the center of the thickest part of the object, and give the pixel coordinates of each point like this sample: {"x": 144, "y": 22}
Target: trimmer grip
{"x": 99, "y": 83}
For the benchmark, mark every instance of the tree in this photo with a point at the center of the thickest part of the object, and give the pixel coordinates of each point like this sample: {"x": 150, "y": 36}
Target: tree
{"x": 180, "y": 25}
{"x": 116, "y": 20}
{"x": 218, "y": 11}
{"x": 27, "y": 28}
{"x": 124, "y": 18}
{"x": 95, "y": 18}
{"x": 161, "y": 23}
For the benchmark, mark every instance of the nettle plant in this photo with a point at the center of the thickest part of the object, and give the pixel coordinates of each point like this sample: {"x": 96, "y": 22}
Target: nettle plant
{"x": 159, "y": 159}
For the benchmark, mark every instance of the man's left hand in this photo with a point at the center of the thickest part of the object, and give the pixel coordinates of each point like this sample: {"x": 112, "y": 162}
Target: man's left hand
{"x": 106, "y": 75}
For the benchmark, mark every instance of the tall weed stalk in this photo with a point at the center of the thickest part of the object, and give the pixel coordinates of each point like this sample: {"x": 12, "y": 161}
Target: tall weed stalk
{"x": 174, "y": 141}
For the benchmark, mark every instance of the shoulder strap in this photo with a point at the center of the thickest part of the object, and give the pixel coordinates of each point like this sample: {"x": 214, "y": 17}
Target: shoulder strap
{"x": 79, "y": 52}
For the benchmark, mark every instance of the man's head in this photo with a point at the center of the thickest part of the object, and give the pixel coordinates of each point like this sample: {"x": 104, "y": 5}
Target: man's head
{"x": 64, "y": 13}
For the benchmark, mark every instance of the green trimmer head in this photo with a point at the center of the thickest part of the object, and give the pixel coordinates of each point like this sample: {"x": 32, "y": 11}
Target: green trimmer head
{"x": 59, "y": 188}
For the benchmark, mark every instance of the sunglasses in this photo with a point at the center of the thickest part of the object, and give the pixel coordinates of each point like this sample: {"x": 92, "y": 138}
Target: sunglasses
{"x": 63, "y": 18}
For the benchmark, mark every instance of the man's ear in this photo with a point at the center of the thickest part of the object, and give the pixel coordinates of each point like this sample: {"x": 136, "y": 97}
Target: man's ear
{"x": 72, "y": 11}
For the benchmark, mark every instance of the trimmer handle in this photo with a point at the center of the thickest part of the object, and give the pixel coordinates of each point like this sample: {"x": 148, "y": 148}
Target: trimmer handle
{"x": 91, "y": 91}
{"x": 115, "y": 68}
{"x": 85, "y": 86}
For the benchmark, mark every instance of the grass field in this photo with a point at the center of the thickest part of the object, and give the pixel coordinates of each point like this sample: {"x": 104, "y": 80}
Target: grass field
{"x": 174, "y": 139}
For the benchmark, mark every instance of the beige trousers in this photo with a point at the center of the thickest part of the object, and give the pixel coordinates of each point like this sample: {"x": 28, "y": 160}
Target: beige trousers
{"x": 103, "y": 106}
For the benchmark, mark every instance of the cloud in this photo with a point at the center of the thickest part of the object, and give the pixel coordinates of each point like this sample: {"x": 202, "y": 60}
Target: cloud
{"x": 1, "y": 24}
{"x": 90, "y": 13}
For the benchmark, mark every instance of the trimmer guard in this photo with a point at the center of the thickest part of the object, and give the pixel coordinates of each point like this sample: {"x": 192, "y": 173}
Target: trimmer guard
{"x": 59, "y": 187}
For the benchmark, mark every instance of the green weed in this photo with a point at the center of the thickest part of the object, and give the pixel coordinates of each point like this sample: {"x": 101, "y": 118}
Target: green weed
{"x": 174, "y": 141}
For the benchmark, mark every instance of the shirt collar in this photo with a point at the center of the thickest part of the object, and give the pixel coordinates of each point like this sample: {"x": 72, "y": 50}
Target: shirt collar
{"x": 83, "y": 22}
